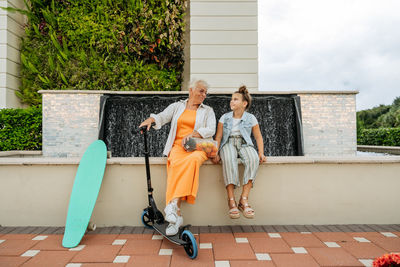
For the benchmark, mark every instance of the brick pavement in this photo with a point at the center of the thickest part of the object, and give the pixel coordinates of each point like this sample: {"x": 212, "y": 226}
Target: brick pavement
{"x": 219, "y": 246}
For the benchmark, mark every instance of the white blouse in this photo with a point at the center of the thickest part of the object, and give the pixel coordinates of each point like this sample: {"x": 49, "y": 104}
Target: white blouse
{"x": 204, "y": 125}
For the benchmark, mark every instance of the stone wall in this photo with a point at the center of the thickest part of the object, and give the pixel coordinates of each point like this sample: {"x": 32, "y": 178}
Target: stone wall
{"x": 70, "y": 121}
{"x": 329, "y": 124}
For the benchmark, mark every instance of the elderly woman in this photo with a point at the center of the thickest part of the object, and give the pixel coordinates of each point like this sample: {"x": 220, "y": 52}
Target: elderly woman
{"x": 189, "y": 118}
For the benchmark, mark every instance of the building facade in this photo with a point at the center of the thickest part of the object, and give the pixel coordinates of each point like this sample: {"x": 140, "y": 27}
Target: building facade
{"x": 11, "y": 30}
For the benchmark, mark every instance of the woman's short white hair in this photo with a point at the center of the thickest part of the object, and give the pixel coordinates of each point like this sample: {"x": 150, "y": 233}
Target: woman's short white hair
{"x": 194, "y": 83}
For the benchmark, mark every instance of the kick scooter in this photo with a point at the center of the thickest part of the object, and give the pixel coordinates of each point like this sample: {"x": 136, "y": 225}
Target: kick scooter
{"x": 153, "y": 218}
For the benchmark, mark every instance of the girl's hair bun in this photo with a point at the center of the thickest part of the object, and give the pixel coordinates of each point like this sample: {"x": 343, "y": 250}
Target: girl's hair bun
{"x": 243, "y": 90}
{"x": 245, "y": 94}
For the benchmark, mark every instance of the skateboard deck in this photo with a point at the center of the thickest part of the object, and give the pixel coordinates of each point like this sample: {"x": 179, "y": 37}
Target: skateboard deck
{"x": 84, "y": 193}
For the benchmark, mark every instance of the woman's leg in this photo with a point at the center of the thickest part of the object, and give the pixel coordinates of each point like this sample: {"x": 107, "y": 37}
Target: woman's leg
{"x": 183, "y": 174}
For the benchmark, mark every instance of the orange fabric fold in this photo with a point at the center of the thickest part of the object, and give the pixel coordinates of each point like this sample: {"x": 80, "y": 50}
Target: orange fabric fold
{"x": 183, "y": 167}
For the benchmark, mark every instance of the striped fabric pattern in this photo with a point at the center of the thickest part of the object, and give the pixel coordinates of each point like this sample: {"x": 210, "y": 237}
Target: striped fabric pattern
{"x": 229, "y": 157}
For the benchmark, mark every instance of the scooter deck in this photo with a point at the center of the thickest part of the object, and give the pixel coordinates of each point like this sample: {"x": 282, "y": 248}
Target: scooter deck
{"x": 161, "y": 228}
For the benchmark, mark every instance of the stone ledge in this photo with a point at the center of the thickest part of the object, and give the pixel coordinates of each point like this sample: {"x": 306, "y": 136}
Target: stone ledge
{"x": 20, "y": 153}
{"x": 380, "y": 149}
{"x": 212, "y": 91}
{"x": 163, "y": 160}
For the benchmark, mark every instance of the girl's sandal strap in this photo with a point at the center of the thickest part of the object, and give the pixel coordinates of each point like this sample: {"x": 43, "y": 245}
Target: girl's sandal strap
{"x": 248, "y": 212}
{"x": 233, "y": 211}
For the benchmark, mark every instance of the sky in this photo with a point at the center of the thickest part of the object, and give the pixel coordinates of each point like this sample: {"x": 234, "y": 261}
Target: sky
{"x": 331, "y": 45}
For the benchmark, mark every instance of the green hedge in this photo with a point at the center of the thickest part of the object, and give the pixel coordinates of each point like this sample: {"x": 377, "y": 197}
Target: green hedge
{"x": 379, "y": 137}
{"x": 102, "y": 45}
{"x": 21, "y": 129}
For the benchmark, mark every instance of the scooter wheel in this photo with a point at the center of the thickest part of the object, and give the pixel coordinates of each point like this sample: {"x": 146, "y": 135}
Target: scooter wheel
{"x": 146, "y": 219}
{"x": 191, "y": 246}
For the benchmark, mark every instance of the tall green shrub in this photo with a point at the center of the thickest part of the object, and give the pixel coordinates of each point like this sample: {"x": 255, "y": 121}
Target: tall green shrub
{"x": 21, "y": 129}
{"x": 102, "y": 45}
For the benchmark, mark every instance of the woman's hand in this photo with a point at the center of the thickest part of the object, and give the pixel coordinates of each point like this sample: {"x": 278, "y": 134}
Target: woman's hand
{"x": 262, "y": 157}
{"x": 147, "y": 123}
{"x": 192, "y": 134}
{"x": 216, "y": 159}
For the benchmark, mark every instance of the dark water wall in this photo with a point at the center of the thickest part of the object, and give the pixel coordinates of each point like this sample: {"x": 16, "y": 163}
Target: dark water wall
{"x": 279, "y": 117}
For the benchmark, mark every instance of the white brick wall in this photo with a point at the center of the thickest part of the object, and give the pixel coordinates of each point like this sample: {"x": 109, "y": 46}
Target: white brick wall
{"x": 329, "y": 124}
{"x": 11, "y": 29}
{"x": 223, "y": 43}
{"x": 70, "y": 123}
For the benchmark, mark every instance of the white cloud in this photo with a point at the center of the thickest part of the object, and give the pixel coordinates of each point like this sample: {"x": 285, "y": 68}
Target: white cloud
{"x": 331, "y": 45}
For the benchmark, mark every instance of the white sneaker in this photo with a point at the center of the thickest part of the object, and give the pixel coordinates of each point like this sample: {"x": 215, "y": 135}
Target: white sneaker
{"x": 171, "y": 212}
{"x": 173, "y": 228}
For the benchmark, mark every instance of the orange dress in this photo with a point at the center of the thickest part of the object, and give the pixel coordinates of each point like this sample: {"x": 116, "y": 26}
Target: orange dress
{"x": 183, "y": 167}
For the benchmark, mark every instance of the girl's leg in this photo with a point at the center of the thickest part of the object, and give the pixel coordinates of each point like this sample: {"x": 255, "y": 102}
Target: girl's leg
{"x": 233, "y": 210}
{"x": 230, "y": 170}
{"x": 250, "y": 161}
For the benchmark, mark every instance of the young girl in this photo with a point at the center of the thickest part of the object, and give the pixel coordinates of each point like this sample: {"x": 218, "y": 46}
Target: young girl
{"x": 235, "y": 128}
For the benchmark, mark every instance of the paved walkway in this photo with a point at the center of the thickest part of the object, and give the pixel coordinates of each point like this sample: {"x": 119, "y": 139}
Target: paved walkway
{"x": 220, "y": 246}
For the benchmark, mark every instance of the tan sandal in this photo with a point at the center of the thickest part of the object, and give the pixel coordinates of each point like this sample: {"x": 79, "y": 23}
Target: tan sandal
{"x": 248, "y": 212}
{"x": 233, "y": 211}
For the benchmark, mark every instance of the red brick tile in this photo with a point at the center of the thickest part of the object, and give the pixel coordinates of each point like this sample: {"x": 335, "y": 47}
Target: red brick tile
{"x": 333, "y": 257}
{"x": 302, "y": 240}
{"x": 233, "y": 251}
{"x": 217, "y": 237}
{"x": 269, "y": 245}
{"x": 298, "y": 260}
{"x": 166, "y": 244}
{"x": 252, "y": 235}
{"x": 368, "y": 235}
{"x": 145, "y": 260}
{"x": 391, "y": 244}
{"x": 251, "y": 264}
{"x": 16, "y": 247}
{"x": 99, "y": 253}
{"x": 181, "y": 259}
{"x": 141, "y": 247}
{"x": 135, "y": 236}
{"x": 333, "y": 237}
{"x": 6, "y": 261}
{"x": 362, "y": 250}
{"x": 50, "y": 258}
{"x": 98, "y": 239}
{"x": 103, "y": 265}
{"x": 17, "y": 236}
{"x": 53, "y": 242}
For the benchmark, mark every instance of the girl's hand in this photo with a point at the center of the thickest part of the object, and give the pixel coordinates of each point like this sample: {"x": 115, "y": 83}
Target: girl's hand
{"x": 216, "y": 159}
{"x": 263, "y": 158}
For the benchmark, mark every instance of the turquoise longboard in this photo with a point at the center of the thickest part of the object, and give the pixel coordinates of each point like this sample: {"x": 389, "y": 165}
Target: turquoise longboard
{"x": 84, "y": 193}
